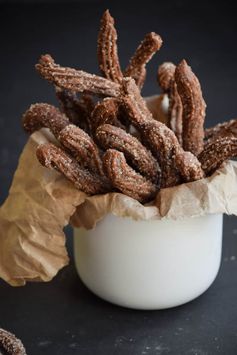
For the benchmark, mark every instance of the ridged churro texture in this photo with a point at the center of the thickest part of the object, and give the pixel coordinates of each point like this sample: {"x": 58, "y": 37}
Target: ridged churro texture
{"x": 75, "y": 80}
{"x": 53, "y": 157}
{"x": 44, "y": 115}
{"x": 127, "y": 180}
{"x": 106, "y": 111}
{"x": 194, "y": 108}
{"x": 144, "y": 52}
{"x": 140, "y": 157}
{"x": 221, "y": 130}
{"x": 216, "y": 152}
{"x": 175, "y": 165}
{"x": 82, "y": 147}
{"x": 107, "y": 51}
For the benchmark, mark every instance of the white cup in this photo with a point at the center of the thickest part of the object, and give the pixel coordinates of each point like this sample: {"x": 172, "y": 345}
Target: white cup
{"x": 149, "y": 264}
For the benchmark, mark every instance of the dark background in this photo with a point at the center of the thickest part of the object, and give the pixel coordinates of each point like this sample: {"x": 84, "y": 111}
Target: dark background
{"x": 63, "y": 317}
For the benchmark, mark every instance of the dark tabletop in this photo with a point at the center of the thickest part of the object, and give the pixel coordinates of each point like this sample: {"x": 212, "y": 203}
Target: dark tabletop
{"x": 62, "y": 317}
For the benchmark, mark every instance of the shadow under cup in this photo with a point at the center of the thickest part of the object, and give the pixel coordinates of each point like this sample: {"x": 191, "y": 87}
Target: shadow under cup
{"x": 152, "y": 264}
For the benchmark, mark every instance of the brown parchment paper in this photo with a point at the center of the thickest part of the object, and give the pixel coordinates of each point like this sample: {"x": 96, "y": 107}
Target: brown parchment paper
{"x": 216, "y": 194}
{"x": 39, "y": 205}
{"x": 41, "y": 202}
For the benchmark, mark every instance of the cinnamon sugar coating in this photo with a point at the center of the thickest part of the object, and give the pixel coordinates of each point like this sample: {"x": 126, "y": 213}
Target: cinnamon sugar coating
{"x": 135, "y": 153}
{"x": 161, "y": 141}
{"x": 216, "y": 152}
{"x": 225, "y": 129}
{"x": 127, "y": 180}
{"x": 144, "y": 52}
{"x": 194, "y": 108}
{"x": 135, "y": 105}
{"x": 189, "y": 166}
{"x": 107, "y": 51}
{"x": 53, "y": 157}
{"x": 153, "y": 133}
{"x": 82, "y": 147}
{"x": 44, "y": 115}
{"x": 106, "y": 111}
{"x": 176, "y": 164}
{"x": 75, "y": 80}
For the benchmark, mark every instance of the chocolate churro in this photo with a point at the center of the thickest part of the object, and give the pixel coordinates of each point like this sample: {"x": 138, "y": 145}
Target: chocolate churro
{"x": 107, "y": 51}
{"x": 144, "y": 52}
{"x": 127, "y": 180}
{"x": 54, "y": 157}
{"x": 75, "y": 80}
{"x": 44, "y": 115}
{"x": 136, "y": 154}
{"x": 216, "y": 152}
{"x": 193, "y": 108}
{"x": 82, "y": 147}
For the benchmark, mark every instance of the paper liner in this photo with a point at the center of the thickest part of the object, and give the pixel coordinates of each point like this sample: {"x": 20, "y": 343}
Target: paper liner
{"x": 216, "y": 194}
{"x": 39, "y": 205}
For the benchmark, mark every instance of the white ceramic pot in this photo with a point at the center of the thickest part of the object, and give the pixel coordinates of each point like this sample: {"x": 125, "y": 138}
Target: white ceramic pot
{"x": 149, "y": 264}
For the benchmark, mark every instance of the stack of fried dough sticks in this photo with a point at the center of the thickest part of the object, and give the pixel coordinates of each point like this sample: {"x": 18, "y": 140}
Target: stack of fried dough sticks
{"x": 109, "y": 140}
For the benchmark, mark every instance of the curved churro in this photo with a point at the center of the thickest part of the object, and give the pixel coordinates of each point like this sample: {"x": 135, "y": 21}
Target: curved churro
{"x": 174, "y": 162}
{"x": 136, "y": 107}
{"x": 44, "y": 115}
{"x": 82, "y": 147}
{"x": 107, "y": 49}
{"x": 193, "y": 108}
{"x": 135, "y": 153}
{"x": 144, "y": 52}
{"x": 162, "y": 143}
{"x": 127, "y": 180}
{"x": 106, "y": 111}
{"x": 224, "y": 129}
{"x": 75, "y": 80}
{"x": 215, "y": 153}
{"x": 188, "y": 165}
{"x": 161, "y": 148}
{"x": 53, "y": 157}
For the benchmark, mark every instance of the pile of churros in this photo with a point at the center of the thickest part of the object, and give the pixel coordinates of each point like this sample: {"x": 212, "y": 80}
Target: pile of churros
{"x": 108, "y": 140}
